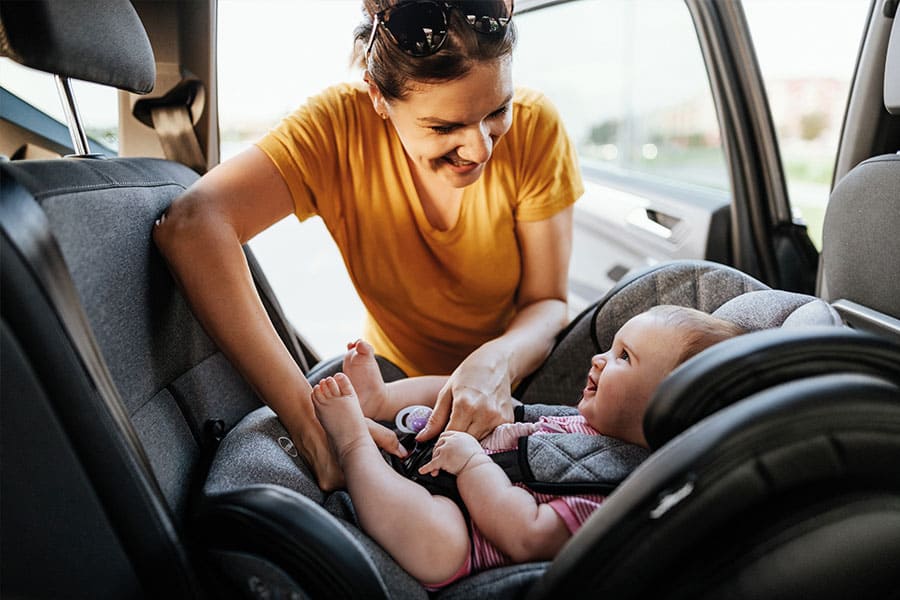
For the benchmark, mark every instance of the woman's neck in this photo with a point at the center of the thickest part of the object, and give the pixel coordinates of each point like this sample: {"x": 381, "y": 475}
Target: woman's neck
{"x": 440, "y": 202}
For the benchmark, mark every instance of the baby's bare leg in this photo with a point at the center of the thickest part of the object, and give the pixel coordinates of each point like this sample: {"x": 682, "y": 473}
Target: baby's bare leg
{"x": 360, "y": 366}
{"x": 381, "y": 401}
{"x": 427, "y": 535}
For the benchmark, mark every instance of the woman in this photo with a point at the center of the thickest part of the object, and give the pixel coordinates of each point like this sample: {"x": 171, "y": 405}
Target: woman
{"x": 449, "y": 194}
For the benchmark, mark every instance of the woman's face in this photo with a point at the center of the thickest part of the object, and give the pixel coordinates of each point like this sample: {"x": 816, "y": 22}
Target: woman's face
{"x": 449, "y": 129}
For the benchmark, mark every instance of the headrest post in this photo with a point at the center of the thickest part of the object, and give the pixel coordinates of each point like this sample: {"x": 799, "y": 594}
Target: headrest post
{"x": 73, "y": 118}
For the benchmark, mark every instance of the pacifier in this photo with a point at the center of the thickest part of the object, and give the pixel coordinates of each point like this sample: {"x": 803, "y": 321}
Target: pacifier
{"x": 412, "y": 419}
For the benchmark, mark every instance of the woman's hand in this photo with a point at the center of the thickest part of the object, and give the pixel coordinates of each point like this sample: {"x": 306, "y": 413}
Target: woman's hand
{"x": 453, "y": 452}
{"x": 475, "y": 399}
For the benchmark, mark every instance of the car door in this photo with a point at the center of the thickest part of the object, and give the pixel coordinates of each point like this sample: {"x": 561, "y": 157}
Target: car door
{"x": 667, "y": 107}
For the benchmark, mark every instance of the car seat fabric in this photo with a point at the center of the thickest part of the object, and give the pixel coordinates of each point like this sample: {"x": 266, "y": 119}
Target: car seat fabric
{"x": 286, "y": 531}
{"x": 703, "y": 285}
{"x": 765, "y": 309}
{"x": 576, "y": 463}
{"x": 38, "y": 34}
{"x": 257, "y": 451}
{"x": 860, "y": 245}
{"x": 42, "y": 310}
{"x": 792, "y": 492}
{"x": 173, "y": 381}
{"x": 745, "y": 365}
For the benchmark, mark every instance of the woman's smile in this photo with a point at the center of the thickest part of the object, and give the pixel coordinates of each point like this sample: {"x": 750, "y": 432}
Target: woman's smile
{"x": 460, "y": 166}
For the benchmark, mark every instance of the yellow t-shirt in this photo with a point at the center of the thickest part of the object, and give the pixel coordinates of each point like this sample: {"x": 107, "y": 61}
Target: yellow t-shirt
{"x": 431, "y": 296}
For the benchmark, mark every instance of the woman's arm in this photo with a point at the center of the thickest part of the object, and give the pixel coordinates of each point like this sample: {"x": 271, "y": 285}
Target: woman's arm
{"x": 201, "y": 236}
{"x": 507, "y": 515}
{"x": 476, "y": 398}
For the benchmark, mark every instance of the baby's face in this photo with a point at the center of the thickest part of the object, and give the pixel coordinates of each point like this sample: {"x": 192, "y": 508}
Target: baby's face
{"x": 621, "y": 380}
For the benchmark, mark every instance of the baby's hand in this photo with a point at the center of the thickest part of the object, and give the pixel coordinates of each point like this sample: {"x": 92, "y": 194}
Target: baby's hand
{"x": 452, "y": 452}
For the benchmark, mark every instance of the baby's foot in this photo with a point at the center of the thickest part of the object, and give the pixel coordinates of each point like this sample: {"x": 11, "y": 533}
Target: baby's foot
{"x": 338, "y": 410}
{"x": 362, "y": 369}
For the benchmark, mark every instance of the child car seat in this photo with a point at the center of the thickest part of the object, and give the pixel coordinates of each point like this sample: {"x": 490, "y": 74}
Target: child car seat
{"x": 104, "y": 363}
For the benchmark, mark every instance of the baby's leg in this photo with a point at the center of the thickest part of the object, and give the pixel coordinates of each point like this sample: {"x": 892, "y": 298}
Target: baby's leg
{"x": 382, "y": 401}
{"x": 427, "y": 535}
{"x": 360, "y": 366}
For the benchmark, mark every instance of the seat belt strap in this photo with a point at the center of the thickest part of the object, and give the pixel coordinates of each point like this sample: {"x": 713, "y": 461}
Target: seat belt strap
{"x": 173, "y": 116}
{"x": 177, "y": 136}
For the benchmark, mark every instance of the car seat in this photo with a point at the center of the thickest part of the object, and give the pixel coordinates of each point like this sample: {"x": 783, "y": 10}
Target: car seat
{"x": 177, "y": 483}
{"x": 113, "y": 397}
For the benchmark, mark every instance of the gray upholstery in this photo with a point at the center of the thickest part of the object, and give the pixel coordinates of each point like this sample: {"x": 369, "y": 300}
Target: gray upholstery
{"x": 579, "y": 458}
{"x": 508, "y": 582}
{"x": 892, "y": 70}
{"x": 172, "y": 379}
{"x": 861, "y": 246}
{"x": 765, "y": 309}
{"x": 38, "y": 34}
{"x": 254, "y": 451}
{"x": 700, "y": 284}
{"x": 259, "y": 450}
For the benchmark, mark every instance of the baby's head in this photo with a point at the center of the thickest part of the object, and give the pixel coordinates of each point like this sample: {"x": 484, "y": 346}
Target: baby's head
{"x": 646, "y": 349}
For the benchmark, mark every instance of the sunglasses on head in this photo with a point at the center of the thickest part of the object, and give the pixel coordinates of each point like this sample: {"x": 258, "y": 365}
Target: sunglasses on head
{"x": 419, "y": 27}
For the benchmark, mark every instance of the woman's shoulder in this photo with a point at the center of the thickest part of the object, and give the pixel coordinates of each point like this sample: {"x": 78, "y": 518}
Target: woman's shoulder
{"x": 340, "y": 97}
{"x": 533, "y": 104}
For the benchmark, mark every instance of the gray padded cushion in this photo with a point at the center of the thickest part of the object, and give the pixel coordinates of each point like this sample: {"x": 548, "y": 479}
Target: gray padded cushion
{"x": 699, "y": 284}
{"x": 765, "y": 309}
{"x": 171, "y": 377}
{"x": 505, "y": 582}
{"x": 892, "y": 70}
{"x": 102, "y": 41}
{"x": 580, "y": 457}
{"x": 861, "y": 245}
{"x": 259, "y": 451}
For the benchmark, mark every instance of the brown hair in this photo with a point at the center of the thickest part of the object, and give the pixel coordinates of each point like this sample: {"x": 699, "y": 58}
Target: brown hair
{"x": 701, "y": 330}
{"x": 394, "y": 72}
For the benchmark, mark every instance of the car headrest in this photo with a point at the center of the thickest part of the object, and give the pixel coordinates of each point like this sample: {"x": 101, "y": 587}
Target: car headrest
{"x": 764, "y": 309}
{"x": 737, "y": 368}
{"x": 860, "y": 246}
{"x": 101, "y": 41}
{"x": 892, "y": 70}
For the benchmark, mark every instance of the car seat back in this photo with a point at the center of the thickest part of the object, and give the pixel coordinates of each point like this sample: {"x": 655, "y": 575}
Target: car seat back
{"x": 861, "y": 248}
{"x": 127, "y": 382}
{"x": 704, "y": 285}
{"x": 792, "y": 492}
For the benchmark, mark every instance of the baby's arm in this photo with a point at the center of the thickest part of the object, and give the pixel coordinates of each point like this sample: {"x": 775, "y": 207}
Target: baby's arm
{"x": 409, "y": 392}
{"x": 507, "y": 515}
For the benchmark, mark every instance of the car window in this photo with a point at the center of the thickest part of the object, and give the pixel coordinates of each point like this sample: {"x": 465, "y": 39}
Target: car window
{"x": 272, "y": 55}
{"x": 97, "y": 104}
{"x": 807, "y": 73}
{"x": 629, "y": 81}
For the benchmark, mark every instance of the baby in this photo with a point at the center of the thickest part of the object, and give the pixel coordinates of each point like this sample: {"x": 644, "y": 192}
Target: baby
{"x": 428, "y": 535}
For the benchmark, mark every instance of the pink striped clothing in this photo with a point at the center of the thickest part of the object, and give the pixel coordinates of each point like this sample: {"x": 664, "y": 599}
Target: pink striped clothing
{"x": 574, "y": 510}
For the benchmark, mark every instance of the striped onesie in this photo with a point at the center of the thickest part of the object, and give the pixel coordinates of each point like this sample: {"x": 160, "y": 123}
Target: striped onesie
{"x": 574, "y": 510}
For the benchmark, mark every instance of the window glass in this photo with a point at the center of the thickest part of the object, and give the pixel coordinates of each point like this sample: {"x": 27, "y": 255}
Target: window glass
{"x": 807, "y": 89}
{"x": 97, "y": 104}
{"x": 272, "y": 55}
{"x": 629, "y": 81}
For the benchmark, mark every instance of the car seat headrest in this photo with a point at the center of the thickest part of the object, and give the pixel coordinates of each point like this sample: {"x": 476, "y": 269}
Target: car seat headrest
{"x": 860, "y": 246}
{"x": 892, "y": 70}
{"x": 101, "y": 41}
{"x": 737, "y": 368}
{"x": 765, "y": 309}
